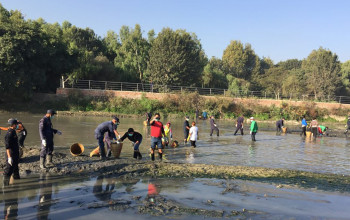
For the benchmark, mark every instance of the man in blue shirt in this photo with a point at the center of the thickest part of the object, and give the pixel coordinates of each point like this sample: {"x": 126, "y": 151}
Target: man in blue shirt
{"x": 303, "y": 126}
{"x": 111, "y": 128}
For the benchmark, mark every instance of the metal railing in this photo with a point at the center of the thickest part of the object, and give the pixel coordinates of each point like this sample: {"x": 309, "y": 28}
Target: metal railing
{"x": 149, "y": 87}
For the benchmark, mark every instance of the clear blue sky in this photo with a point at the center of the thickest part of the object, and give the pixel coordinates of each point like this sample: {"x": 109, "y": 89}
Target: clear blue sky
{"x": 279, "y": 29}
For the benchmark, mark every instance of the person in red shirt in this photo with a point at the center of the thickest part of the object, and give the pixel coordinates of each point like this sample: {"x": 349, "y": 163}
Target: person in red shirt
{"x": 157, "y": 131}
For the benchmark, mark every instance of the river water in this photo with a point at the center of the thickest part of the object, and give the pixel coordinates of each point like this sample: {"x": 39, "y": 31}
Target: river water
{"x": 289, "y": 151}
{"x": 110, "y": 197}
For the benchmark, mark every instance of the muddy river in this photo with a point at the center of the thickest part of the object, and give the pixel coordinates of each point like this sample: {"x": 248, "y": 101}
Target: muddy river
{"x": 289, "y": 151}
{"x": 92, "y": 196}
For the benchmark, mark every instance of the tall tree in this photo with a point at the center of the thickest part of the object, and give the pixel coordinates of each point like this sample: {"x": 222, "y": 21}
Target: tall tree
{"x": 175, "y": 59}
{"x": 241, "y": 61}
{"x": 132, "y": 56}
{"x": 322, "y": 69}
{"x": 213, "y": 75}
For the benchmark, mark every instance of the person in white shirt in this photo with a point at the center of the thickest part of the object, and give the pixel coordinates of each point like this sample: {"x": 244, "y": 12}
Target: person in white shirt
{"x": 193, "y": 134}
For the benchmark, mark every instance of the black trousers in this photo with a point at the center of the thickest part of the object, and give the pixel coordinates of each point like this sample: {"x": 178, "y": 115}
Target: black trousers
{"x": 253, "y": 136}
{"x": 214, "y": 129}
{"x": 193, "y": 143}
{"x": 48, "y": 149}
{"x": 314, "y": 132}
{"x": 279, "y": 128}
{"x": 303, "y": 131}
{"x": 9, "y": 170}
{"x": 239, "y": 127}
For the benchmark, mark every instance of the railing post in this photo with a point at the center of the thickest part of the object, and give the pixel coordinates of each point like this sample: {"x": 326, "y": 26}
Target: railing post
{"x": 137, "y": 87}
{"x": 106, "y": 85}
{"x": 210, "y": 91}
{"x": 339, "y": 99}
{"x": 89, "y": 84}
{"x": 181, "y": 88}
{"x": 121, "y": 86}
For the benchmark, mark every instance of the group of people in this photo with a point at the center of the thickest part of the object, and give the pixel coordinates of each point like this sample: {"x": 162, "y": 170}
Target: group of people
{"x": 14, "y": 144}
{"x": 106, "y": 132}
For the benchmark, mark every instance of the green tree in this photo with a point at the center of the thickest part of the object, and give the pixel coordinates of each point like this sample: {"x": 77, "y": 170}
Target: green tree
{"x": 241, "y": 61}
{"x": 111, "y": 44}
{"x": 175, "y": 59}
{"x": 132, "y": 56}
{"x": 322, "y": 69}
{"x": 272, "y": 81}
{"x": 345, "y": 75}
{"x": 213, "y": 75}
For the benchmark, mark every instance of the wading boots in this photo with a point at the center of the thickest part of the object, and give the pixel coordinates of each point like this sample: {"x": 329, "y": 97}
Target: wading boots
{"x": 42, "y": 163}
{"x": 49, "y": 161}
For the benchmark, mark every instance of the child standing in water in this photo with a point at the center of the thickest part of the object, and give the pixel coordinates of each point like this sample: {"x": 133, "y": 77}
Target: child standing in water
{"x": 193, "y": 134}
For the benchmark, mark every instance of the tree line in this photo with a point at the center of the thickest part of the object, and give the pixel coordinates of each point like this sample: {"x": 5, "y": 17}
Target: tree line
{"x": 34, "y": 55}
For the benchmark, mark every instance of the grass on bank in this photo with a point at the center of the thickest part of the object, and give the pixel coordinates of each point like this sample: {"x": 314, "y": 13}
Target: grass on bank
{"x": 187, "y": 103}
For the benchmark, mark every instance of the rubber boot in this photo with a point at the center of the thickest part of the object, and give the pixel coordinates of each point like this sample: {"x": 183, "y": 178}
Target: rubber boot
{"x": 109, "y": 153}
{"x": 49, "y": 161}
{"x": 42, "y": 163}
{"x": 139, "y": 156}
{"x": 160, "y": 156}
{"x": 152, "y": 156}
{"x": 135, "y": 154}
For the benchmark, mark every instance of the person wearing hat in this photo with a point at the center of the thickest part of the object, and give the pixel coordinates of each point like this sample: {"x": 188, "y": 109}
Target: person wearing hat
{"x": 168, "y": 134}
{"x": 186, "y": 128}
{"x": 136, "y": 139}
{"x": 111, "y": 128}
{"x": 253, "y": 128}
{"x": 213, "y": 126}
{"x": 46, "y": 132}
{"x": 12, "y": 152}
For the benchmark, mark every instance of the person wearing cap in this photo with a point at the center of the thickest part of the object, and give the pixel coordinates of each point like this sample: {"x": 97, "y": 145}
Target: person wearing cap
{"x": 186, "y": 128}
{"x": 168, "y": 134}
{"x": 253, "y": 128}
{"x": 136, "y": 139}
{"x": 213, "y": 126}
{"x": 46, "y": 132}
{"x": 157, "y": 131}
{"x": 12, "y": 152}
{"x": 347, "y": 125}
{"x": 111, "y": 128}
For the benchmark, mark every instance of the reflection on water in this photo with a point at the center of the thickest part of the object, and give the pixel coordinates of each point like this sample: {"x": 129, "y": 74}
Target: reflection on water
{"x": 45, "y": 196}
{"x": 71, "y": 197}
{"x": 288, "y": 151}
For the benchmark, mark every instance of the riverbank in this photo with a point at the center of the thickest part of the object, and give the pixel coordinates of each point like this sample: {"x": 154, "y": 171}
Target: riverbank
{"x": 176, "y": 106}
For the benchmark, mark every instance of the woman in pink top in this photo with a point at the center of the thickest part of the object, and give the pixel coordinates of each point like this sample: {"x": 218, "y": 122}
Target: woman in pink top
{"x": 314, "y": 125}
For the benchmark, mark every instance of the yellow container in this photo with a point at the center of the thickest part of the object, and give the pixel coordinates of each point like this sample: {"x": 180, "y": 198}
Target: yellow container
{"x": 116, "y": 149}
{"x": 174, "y": 144}
{"x": 145, "y": 123}
{"x": 77, "y": 149}
{"x": 284, "y": 129}
{"x": 95, "y": 152}
{"x": 308, "y": 134}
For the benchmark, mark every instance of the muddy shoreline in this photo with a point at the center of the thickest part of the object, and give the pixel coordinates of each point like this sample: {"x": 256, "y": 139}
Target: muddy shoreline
{"x": 66, "y": 164}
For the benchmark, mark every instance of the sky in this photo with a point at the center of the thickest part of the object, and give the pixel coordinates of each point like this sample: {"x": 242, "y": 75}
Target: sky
{"x": 278, "y": 29}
